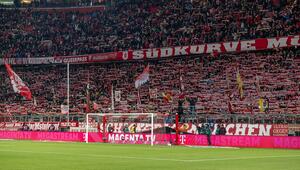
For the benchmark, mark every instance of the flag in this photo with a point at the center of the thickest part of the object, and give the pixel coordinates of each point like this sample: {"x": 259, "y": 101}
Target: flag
{"x": 181, "y": 83}
{"x": 64, "y": 109}
{"x": 261, "y": 105}
{"x": 240, "y": 84}
{"x": 153, "y": 93}
{"x": 167, "y": 97}
{"x": 142, "y": 78}
{"x": 257, "y": 85}
{"x": 227, "y": 79}
{"x": 87, "y": 109}
{"x": 230, "y": 110}
{"x": 34, "y": 101}
{"x": 18, "y": 84}
{"x": 117, "y": 96}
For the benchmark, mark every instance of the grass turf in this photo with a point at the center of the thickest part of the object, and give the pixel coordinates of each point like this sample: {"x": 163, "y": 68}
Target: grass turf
{"x": 28, "y": 155}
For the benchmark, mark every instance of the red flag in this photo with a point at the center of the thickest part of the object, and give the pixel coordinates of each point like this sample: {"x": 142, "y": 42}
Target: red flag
{"x": 18, "y": 84}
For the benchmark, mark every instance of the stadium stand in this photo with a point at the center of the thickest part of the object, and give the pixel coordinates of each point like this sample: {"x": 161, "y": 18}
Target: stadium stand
{"x": 139, "y": 24}
{"x": 31, "y": 33}
{"x": 203, "y": 77}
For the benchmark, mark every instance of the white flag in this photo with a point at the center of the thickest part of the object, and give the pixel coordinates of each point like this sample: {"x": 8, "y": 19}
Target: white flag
{"x": 142, "y": 78}
{"x": 64, "y": 109}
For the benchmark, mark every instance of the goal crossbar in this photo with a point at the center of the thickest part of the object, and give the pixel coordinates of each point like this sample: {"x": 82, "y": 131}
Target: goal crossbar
{"x": 119, "y": 114}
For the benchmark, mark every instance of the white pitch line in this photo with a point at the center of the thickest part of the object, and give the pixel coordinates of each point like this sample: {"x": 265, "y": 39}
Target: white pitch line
{"x": 156, "y": 159}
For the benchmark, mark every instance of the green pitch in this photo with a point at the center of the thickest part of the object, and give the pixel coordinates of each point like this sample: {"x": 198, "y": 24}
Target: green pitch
{"x": 27, "y": 155}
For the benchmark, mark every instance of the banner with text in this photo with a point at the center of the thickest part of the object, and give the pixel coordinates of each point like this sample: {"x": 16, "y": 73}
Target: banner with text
{"x": 155, "y": 53}
{"x": 197, "y": 140}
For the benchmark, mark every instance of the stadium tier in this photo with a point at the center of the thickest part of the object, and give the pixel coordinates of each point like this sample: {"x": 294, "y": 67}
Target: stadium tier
{"x": 143, "y": 24}
{"x": 270, "y": 76}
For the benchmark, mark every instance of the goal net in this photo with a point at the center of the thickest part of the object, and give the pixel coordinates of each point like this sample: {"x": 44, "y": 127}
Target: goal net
{"x": 130, "y": 128}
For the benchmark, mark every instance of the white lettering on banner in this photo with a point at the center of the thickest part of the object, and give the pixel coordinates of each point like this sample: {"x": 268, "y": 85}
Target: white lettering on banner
{"x": 264, "y": 130}
{"x": 111, "y": 137}
{"x": 152, "y": 53}
{"x": 215, "y": 129}
{"x": 197, "y": 49}
{"x": 139, "y": 54}
{"x": 129, "y": 137}
{"x": 125, "y": 55}
{"x": 295, "y": 41}
{"x": 274, "y": 43}
{"x": 213, "y": 48}
{"x": 228, "y": 129}
{"x": 248, "y": 45}
{"x": 251, "y": 129}
{"x": 75, "y": 59}
{"x": 180, "y": 51}
{"x": 231, "y": 46}
{"x": 166, "y": 52}
{"x": 240, "y": 129}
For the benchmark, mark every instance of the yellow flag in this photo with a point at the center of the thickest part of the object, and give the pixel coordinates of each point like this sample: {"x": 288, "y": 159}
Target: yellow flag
{"x": 261, "y": 105}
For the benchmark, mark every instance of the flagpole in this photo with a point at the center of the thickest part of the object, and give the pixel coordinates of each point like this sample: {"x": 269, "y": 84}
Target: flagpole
{"x": 112, "y": 98}
{"x": 68, "y": 92}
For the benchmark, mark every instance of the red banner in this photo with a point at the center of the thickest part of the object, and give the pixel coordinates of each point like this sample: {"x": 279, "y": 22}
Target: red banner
{"x": 212, "y": 48}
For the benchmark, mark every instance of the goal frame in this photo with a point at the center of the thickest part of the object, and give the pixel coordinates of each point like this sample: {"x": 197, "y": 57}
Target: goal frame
{"x": 118, "y": 114}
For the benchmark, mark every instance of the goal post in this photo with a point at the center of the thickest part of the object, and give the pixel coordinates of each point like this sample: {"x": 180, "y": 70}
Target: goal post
{"x": 104, "y": 119}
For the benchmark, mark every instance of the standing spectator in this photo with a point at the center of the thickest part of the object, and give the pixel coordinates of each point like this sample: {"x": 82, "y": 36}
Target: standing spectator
{"x": 222, "y": 130}
{"x": 110, "y": 129}
{"x": 208, "y": 134}
{"x": 218, "y": 130}
{"x": 126, "y": 129}
{"x": 133, "y": 128}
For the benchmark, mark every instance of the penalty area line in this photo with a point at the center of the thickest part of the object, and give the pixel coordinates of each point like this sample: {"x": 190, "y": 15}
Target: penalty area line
{"x": 155, "y": 159}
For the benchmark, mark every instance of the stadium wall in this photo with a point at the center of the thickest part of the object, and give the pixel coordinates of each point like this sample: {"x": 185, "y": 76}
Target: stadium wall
{"x": 195, "y": 140}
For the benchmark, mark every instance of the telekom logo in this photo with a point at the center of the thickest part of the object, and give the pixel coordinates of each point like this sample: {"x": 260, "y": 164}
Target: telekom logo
{"x": 182, "y": 139}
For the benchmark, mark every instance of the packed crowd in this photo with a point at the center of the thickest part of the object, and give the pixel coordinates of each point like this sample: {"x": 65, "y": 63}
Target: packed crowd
{"x": 144, "y": 24}
{"x": 272, "y": 75}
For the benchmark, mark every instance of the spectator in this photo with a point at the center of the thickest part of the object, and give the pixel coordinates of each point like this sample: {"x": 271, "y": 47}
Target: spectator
{"x": 126, "y": 129}
{"x": 222, "y": 130}
{"x": 218, "y": 130}
{"x": 133, "y": 128}
{"x": 208, "y": 134}
{"x": 110, "y": 128}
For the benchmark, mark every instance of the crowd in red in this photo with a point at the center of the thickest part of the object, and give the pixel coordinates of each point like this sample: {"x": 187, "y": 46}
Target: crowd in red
{"x": 144, "y": 24}
{"x": 272, "y": 75}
